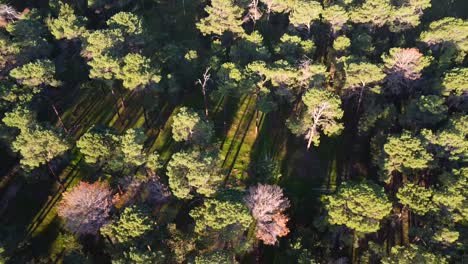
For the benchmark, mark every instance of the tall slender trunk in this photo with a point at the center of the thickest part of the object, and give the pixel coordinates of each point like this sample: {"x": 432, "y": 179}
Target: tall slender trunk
{"x": 225, "y": 114}
{"x": 311, "y": 136}
{"x": 59, "y": 118}
{"x": 55, "y": 177}
{"x": 405, "y": 217}
{"x": 257, "y": 121}
{"x": 205, "y": 100}
{"x": 355, "y": 246}
{"x": 360, "y": 99}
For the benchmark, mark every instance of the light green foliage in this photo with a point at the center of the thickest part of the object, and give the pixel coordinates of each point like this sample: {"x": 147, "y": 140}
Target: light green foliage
{"x": 293, "y": 47}
{"x": 102, "y": 41}
{"x": 223, "y": 16}
{"x": 126, "y": 22}
{"x": 341, "y": 43}
{"x": 405, "y": 152}
{"x": 408, "y": 15}
{"x": 417, "y": 198}
{"x": 189, "y": 126}
{"x": 116, "y": 152}
{"x": 450, "y": 141}
{"x": 67, "y": 25}
{"x": 216, "y": 257}
{"x": 219, "y": 215}
{"x": 133, "y": 223}
{"x": 448, "y": 29}
{"x": 323, "y": 113}
{"x": 304, "y": 13}
{"x": 446, "y": 236}
{"x": 131, "y": 145}
{"x": 96, "y": 146}
{"x": 426, "y": 110}
{"x": 363, "y": 74}
{"x": 20, "y": 117}
{"x": 229, "y": 78}
{"x": 336, "y": 16}
{"x": 453, "y": 196}
{"x": 38, "y": 146}
{"x": 139, "y": 255}
{"x": 278, "y": 6}
{"x": 137, "y": 72}
{"x": 359, "y": 206}
{"x": 280, "y": 73}
{"x": 194, "y": 171}
{"x": 413, "y": 254}
{"x": 249, "y": 48}
{"x": 455, "y": 82}
{"x": 40, "y": 72}
{"x": 375, "y": 12}
{"x": 103, "y": 67}
{"x": 12, "y": 94}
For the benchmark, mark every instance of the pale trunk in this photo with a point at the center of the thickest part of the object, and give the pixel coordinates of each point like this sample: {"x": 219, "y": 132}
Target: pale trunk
{"x": 59, "y": 118}
{"x": 311, "y": 136}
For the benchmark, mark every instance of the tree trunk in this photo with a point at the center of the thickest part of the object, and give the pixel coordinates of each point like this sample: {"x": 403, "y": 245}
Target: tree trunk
{"x": 59, "y": 118}
{"x": 205, "y": 100}
{"x": 117, "y": 104}
{"x": 311, "y": 136}
{"x": 55, "y": 177}
{"x": 405, "y": 217}
{"x": 257, "y": 121}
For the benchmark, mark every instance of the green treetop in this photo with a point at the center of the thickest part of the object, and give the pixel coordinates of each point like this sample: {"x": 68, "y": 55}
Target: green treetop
{"x": 293, "y": 47}
{"x": 304, "y": 13}
{"x": 131, "y": 145}
{"x": 336, "y": 16}
{"x": 216, "y": 257}
{"x": 375, "y": 12}
{"x": 38, "y": 73}
{"x": 413, "y": 254}
{"x": 104, "y": 67}
{"x": 96, "y": 146}
{"x": 341, "y": 43}
{"x": 450, "y": 141}
{"x": 194, "y": 171}
{"x": 137, "y": 72}
{"x": 128, "y": 23}
{"x": 453, "y": 196}
{"x": 67, "y": 25}
{"x": 278, "y": 6}
{"x": 249, "y": 48}
{"x": 426, "y": 110}
{"x": 447, "y": 30}
{"x": 218, "y": 215}
{"x": 359, "y": 206}
{"x": 223, "y": 16}
{"x": 322, "y": 113}
{"x": 189, "y": 126}
{"x": 455, "y": 82}
{"x": 405, "y": 152}
{"x": 132, "y": 223}
{"x": 360, "y": 75}
{"x": 417, "y": 198}
{"x": 20, "y": 117}
{"x": 39, "y": 146}
{"x": 102, "y": 41}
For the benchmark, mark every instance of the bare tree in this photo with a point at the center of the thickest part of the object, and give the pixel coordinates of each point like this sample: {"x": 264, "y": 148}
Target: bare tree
{"x": 8, "y": 14}
{"x": 267, "y": 205}
{"x": 203, "y": 83}
{"x": 86, "y": 207}
{"x": 403, "y": 66}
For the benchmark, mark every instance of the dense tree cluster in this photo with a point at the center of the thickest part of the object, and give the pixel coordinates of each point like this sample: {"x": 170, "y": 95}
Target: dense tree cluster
{"x": 228, "y": 131}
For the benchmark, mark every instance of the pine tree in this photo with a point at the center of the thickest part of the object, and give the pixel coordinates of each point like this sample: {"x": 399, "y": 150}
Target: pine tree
{"x": 322, "y": 113}
{"x": 67, "y": 25}
{"x": 223, "y": 16}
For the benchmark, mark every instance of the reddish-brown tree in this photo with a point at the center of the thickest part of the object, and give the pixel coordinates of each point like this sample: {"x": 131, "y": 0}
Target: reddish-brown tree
{"x": 86, "y": 207}
{"x": 267, "y": 205}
